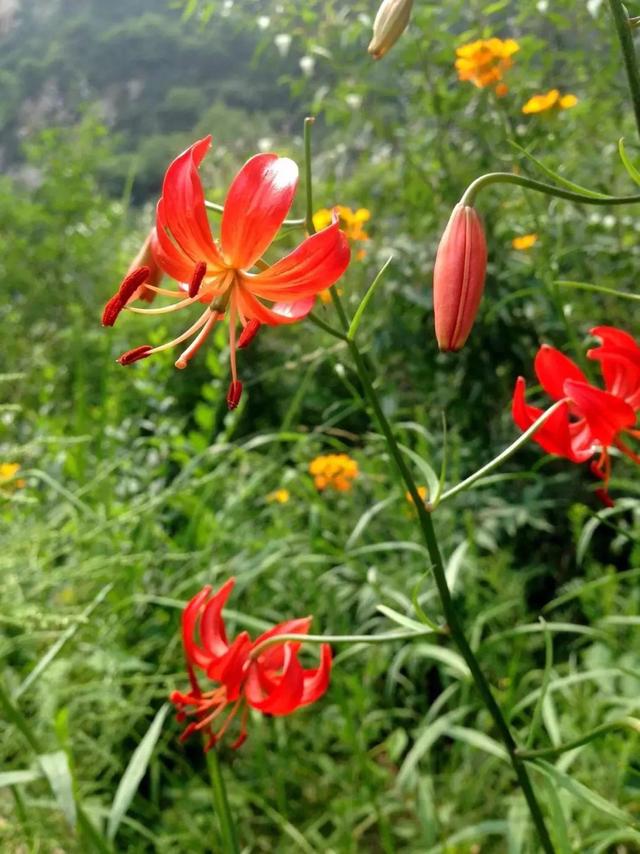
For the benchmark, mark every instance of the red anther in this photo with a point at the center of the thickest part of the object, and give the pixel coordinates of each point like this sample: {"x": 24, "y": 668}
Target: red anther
{"x": 111, "y": 310}
{"x": 135, "y": 355}
{"x": 605, "y": 498}
{"x": 132, "y": 282}
{"x": 196, "y": 280}
{"x": 234, "y": 394}
{"x": 248, "y": 333}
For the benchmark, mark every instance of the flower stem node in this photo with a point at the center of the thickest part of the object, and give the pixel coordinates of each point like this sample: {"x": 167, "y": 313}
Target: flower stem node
{"x": 389, "y": 24}
{"x": 458, "y": 277}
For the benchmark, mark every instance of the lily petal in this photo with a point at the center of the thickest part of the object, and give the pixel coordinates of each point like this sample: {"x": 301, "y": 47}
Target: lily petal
{"x": 316, "y": 681}
{"x": 605, "y": 413}
{"x": 272, "y": 658}
{"x": 285, "y": 694}
{"x": 181, "y": 209}
{"x": 316, "y": 264}
{"x": 252, "y": 309}
{"x": 555, "y": 435}
{"x": 552, "y": 369}
{"x": 257, "y": 203}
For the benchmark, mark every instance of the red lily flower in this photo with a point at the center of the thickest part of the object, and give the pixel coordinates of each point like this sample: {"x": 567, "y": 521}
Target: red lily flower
{"x": 590, "y": 420}
{"x": 222, "y": 276}
{"x": 259, "y": 674}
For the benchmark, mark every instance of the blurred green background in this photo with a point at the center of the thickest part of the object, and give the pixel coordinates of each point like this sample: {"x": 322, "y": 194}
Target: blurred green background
{"x": 140, "y": 478}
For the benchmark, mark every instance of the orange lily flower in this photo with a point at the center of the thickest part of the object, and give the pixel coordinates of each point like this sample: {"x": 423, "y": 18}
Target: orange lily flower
{"x": 224, "y": 275}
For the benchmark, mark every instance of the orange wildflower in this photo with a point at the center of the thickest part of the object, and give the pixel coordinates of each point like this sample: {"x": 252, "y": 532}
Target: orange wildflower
{"x": 484, "y": 62}
{"x": 334, "y": 471}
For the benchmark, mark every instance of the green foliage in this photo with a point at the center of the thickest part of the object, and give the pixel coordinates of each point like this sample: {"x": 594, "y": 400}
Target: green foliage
{"x": 142, "y": 480}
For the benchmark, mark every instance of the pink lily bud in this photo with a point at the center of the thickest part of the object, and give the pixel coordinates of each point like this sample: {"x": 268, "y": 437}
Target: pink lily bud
{"x": 458, "y": 277}
{"x": 390, "y": 23}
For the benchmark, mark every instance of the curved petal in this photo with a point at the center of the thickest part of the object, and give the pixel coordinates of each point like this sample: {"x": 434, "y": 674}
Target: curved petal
{"x": 257, "y": 203}
{"x": 555, "y": 435}
{"x": 181, "y": 209}
{"x": 612, "y": 336}
{"x": 194, "y": 653}
{"x": 276, "y": 697}
{"x": 252, "y": 309}
{"x": 297, "y": 310}
{"x": 605, "y": 413}
{"x": 316, "y": 681}
{"x": 170, "y": 257}
{"x": 272, "y": 658}
{"x": 316, "y": 264}
{"x": 212, "y": 630}
{"x": 619, "y": 358}
{"x": 552, "y": 369}
{"x": 230, "y": 670}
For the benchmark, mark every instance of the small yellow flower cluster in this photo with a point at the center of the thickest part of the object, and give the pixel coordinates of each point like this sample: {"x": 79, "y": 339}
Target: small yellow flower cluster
{"x": 8, "y": 472}
{"x": 524, "y": 241}
{"x": 278, "y": 496}
{"x": 549, "y": 100}
{"x": 484, "y": 62}
{"x": 336, "y": 471}
{"x": 351, "y": 223}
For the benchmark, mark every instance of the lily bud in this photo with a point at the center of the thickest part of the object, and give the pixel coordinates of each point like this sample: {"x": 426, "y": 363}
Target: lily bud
{"x": 390, "y": 22}
{"x": 458, "y": 277}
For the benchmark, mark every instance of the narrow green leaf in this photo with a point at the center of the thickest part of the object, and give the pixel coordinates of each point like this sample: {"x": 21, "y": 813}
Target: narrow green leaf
{"x": 16, "y": 778}
{"x": 584, "y": 793}
{"x": 601, "y": 289}
{"x": 134, "y": 772}
{"x": 402, "y": 620}
{"x": 633, "y": 173}
{"x": 364, "y": 302}
{"x": 56, "y": 769}
{"x": 564, "y": 182}
{"x": 432, "y": 481}
{"x": 479, "y": 740}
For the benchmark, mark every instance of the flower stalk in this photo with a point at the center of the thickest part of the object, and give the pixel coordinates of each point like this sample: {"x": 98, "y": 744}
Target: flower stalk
{"x": 624, "y": 25}
{"x": 221, "y": 804}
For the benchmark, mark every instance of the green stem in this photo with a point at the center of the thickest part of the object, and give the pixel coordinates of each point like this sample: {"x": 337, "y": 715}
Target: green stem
{"x": 387, "y": 637}
{"x": 221, "y": 804}
{"x": 603, "y": 729}
{"x": 623, "y": 29}
{"x": 297, "y": 223}
{"x": 308, "y": 122}
{"x": 327, "y": 328}
{"x": 541, "y": 187}
{"x": 501, "y": 458}
{"x": 450, "y": 612}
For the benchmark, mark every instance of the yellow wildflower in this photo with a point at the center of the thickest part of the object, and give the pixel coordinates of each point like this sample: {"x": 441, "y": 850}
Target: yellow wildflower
{"x": 351, "y": 223}
{"x": 484, "y": 62}
{"x": 336, "y": 471}
{"x": 524, "y": 241}
{"x": 550, "y": 99}
{"x": 8, "y": 472}
{"x": 567, "y": 101}
{"x": 423, "y": 492}
{"x": 278, "y": 496}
